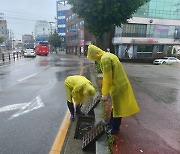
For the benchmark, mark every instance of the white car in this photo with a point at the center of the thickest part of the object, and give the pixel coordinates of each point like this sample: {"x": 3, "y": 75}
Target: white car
{"x": 29, "y": 53}
{"x": 166, "y": 60}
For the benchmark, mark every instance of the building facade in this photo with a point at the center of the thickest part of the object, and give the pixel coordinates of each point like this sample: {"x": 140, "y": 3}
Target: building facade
{"x": 28, "y": 41}
{"x": 62, "y": 8}
{"x": 42, "y": 30}
{"x": 153, "y": 31}
{"x": 3, "y": 30}
{"x": 77, "y": 38}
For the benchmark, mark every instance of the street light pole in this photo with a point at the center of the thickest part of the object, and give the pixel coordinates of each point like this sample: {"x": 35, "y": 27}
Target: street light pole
{"x": 150, "y": 21}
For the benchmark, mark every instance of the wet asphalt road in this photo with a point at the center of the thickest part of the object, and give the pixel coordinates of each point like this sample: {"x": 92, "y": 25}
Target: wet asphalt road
{"x": 156, "y": 128}
{"x": 33, "y": 103}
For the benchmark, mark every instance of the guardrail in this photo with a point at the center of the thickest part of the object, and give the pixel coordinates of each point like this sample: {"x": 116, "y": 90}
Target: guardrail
{"x": 7, "y": 57}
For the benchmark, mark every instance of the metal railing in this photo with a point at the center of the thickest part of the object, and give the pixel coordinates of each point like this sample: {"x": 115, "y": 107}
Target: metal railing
{"x": 7, "y": 57}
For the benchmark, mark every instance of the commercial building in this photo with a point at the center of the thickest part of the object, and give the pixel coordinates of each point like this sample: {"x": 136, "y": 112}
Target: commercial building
{"x": 42, "y": 30}
{"x": 62, "y": 8}
{"x": 28, "y": 41}
{"x": 77, "y": 38}
{"x": 3, "y": 30}
{"x": 153, "y": 31}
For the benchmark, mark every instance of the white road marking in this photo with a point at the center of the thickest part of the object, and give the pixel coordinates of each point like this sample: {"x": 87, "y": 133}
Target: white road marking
{"x": 23, "y": 108}
{"x": 27, "y": 77}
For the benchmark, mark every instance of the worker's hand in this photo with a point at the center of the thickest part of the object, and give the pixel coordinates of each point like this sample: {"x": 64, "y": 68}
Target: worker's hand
{"x": 104, "y": 98}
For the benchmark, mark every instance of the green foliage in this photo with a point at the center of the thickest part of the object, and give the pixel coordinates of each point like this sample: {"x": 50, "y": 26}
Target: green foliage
{"x": 1, "y": 39}
{"x": 101, "y": 15}
{"x": 55, "y": 40}
{"x": 98, "y": 68}
{"x": 110, "y": 142}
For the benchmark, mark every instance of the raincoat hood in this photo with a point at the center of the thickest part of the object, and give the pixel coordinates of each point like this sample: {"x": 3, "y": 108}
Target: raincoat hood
{"x": 89, "y": 90}
{"x": 94, "y": 53}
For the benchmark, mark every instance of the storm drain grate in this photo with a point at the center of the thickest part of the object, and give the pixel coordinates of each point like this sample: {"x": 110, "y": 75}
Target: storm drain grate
{"x": 93, "y": 135}
{"x": 84, "y": 124}
{"x": 96, "y": 100}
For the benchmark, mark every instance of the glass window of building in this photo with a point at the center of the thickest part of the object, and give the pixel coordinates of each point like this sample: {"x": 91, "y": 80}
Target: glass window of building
{"x": 61, "y": 21}
{"x": 62, "y": 13}
{"x": 134, "y": 30}
{"x": 177, "y": 32}
{"x": 61, "y": 30}
{"x": 167, "y": 9}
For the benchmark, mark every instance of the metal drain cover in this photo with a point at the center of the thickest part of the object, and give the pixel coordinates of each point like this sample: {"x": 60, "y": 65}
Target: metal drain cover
{"x": 91, "y": 136}
{"x": 96, "y": 100}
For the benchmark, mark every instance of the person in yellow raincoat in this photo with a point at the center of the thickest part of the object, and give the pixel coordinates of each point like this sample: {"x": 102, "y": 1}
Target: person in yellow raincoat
{"x": 116, "y": 83}
{"x": 78, "y": 88}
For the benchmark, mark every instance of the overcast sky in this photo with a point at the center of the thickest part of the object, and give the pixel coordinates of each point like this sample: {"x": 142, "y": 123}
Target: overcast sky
{"x": 21, "y": 15}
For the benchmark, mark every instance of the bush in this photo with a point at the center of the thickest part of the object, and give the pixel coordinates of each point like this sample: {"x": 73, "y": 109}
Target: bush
{"x": 98, "y": 68}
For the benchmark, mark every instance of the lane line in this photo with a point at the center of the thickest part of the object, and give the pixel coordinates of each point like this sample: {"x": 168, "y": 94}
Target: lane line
{"x": 61, "y": 135}
{"x": 27, "y": 77}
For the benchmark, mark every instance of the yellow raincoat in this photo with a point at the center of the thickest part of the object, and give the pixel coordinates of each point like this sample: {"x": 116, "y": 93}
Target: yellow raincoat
{"x": 115, "y": 82}
{"x": 78, "y": 88}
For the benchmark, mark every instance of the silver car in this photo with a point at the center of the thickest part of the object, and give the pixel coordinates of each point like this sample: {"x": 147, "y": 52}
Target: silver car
{"x": 29, "y": 53}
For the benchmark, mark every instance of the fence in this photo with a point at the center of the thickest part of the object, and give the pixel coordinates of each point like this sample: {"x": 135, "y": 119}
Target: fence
{"x": 7, "y": 57}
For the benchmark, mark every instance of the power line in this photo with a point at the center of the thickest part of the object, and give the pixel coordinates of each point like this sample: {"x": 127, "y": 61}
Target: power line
{"x": 19, "y": 13}
{"x": 21, "y": 18}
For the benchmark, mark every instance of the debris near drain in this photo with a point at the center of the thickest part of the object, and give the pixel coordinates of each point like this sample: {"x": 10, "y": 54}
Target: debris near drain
{"x": 84, "y": 124}
{"x": 96, "y": 101}
{"x": 93, "y": 135}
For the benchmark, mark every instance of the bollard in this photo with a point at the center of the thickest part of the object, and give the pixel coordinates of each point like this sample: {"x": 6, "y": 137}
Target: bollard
{"x": 3, "y": 57}
{"x": 9, "y": 56}
{"x": 14, "y": 56}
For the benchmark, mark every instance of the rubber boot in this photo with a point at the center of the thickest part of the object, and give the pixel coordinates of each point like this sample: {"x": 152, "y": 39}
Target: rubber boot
{"x": 116, "y": 122}
{"x": 71, "y": 109}
{"x": 78, "y": 110}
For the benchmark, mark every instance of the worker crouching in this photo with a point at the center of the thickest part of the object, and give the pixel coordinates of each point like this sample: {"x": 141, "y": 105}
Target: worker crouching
{"x": 78, "y": 89}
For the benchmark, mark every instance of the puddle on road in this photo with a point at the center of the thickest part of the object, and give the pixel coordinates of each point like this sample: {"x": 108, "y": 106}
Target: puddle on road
{"x": 67, "y": 62}
{"x": 63, "y": 74}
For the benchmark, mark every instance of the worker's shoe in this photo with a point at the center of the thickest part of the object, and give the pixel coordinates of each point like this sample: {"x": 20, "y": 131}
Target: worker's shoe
{"x": 112, "y": 131}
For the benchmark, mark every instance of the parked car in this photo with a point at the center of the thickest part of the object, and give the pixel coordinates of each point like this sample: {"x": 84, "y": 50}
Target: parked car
{"x": 166, "y": 60}
{"x": 29, "y": 53}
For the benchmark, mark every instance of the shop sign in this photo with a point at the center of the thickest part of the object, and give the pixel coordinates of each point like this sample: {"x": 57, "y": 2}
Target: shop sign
{"x": 162, "y": 28}
{"x": 142, "y": 41}
{"x": 73, "y": 30}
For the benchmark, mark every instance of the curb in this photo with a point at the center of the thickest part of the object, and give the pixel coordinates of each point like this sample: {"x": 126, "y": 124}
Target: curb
{"x": 61, "y": 135}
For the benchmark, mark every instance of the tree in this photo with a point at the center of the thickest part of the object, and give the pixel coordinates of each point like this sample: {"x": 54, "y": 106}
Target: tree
{"x": 102, "y": 16}
{"x": 55, "y": 40}
{"x": 1, "y": 39}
